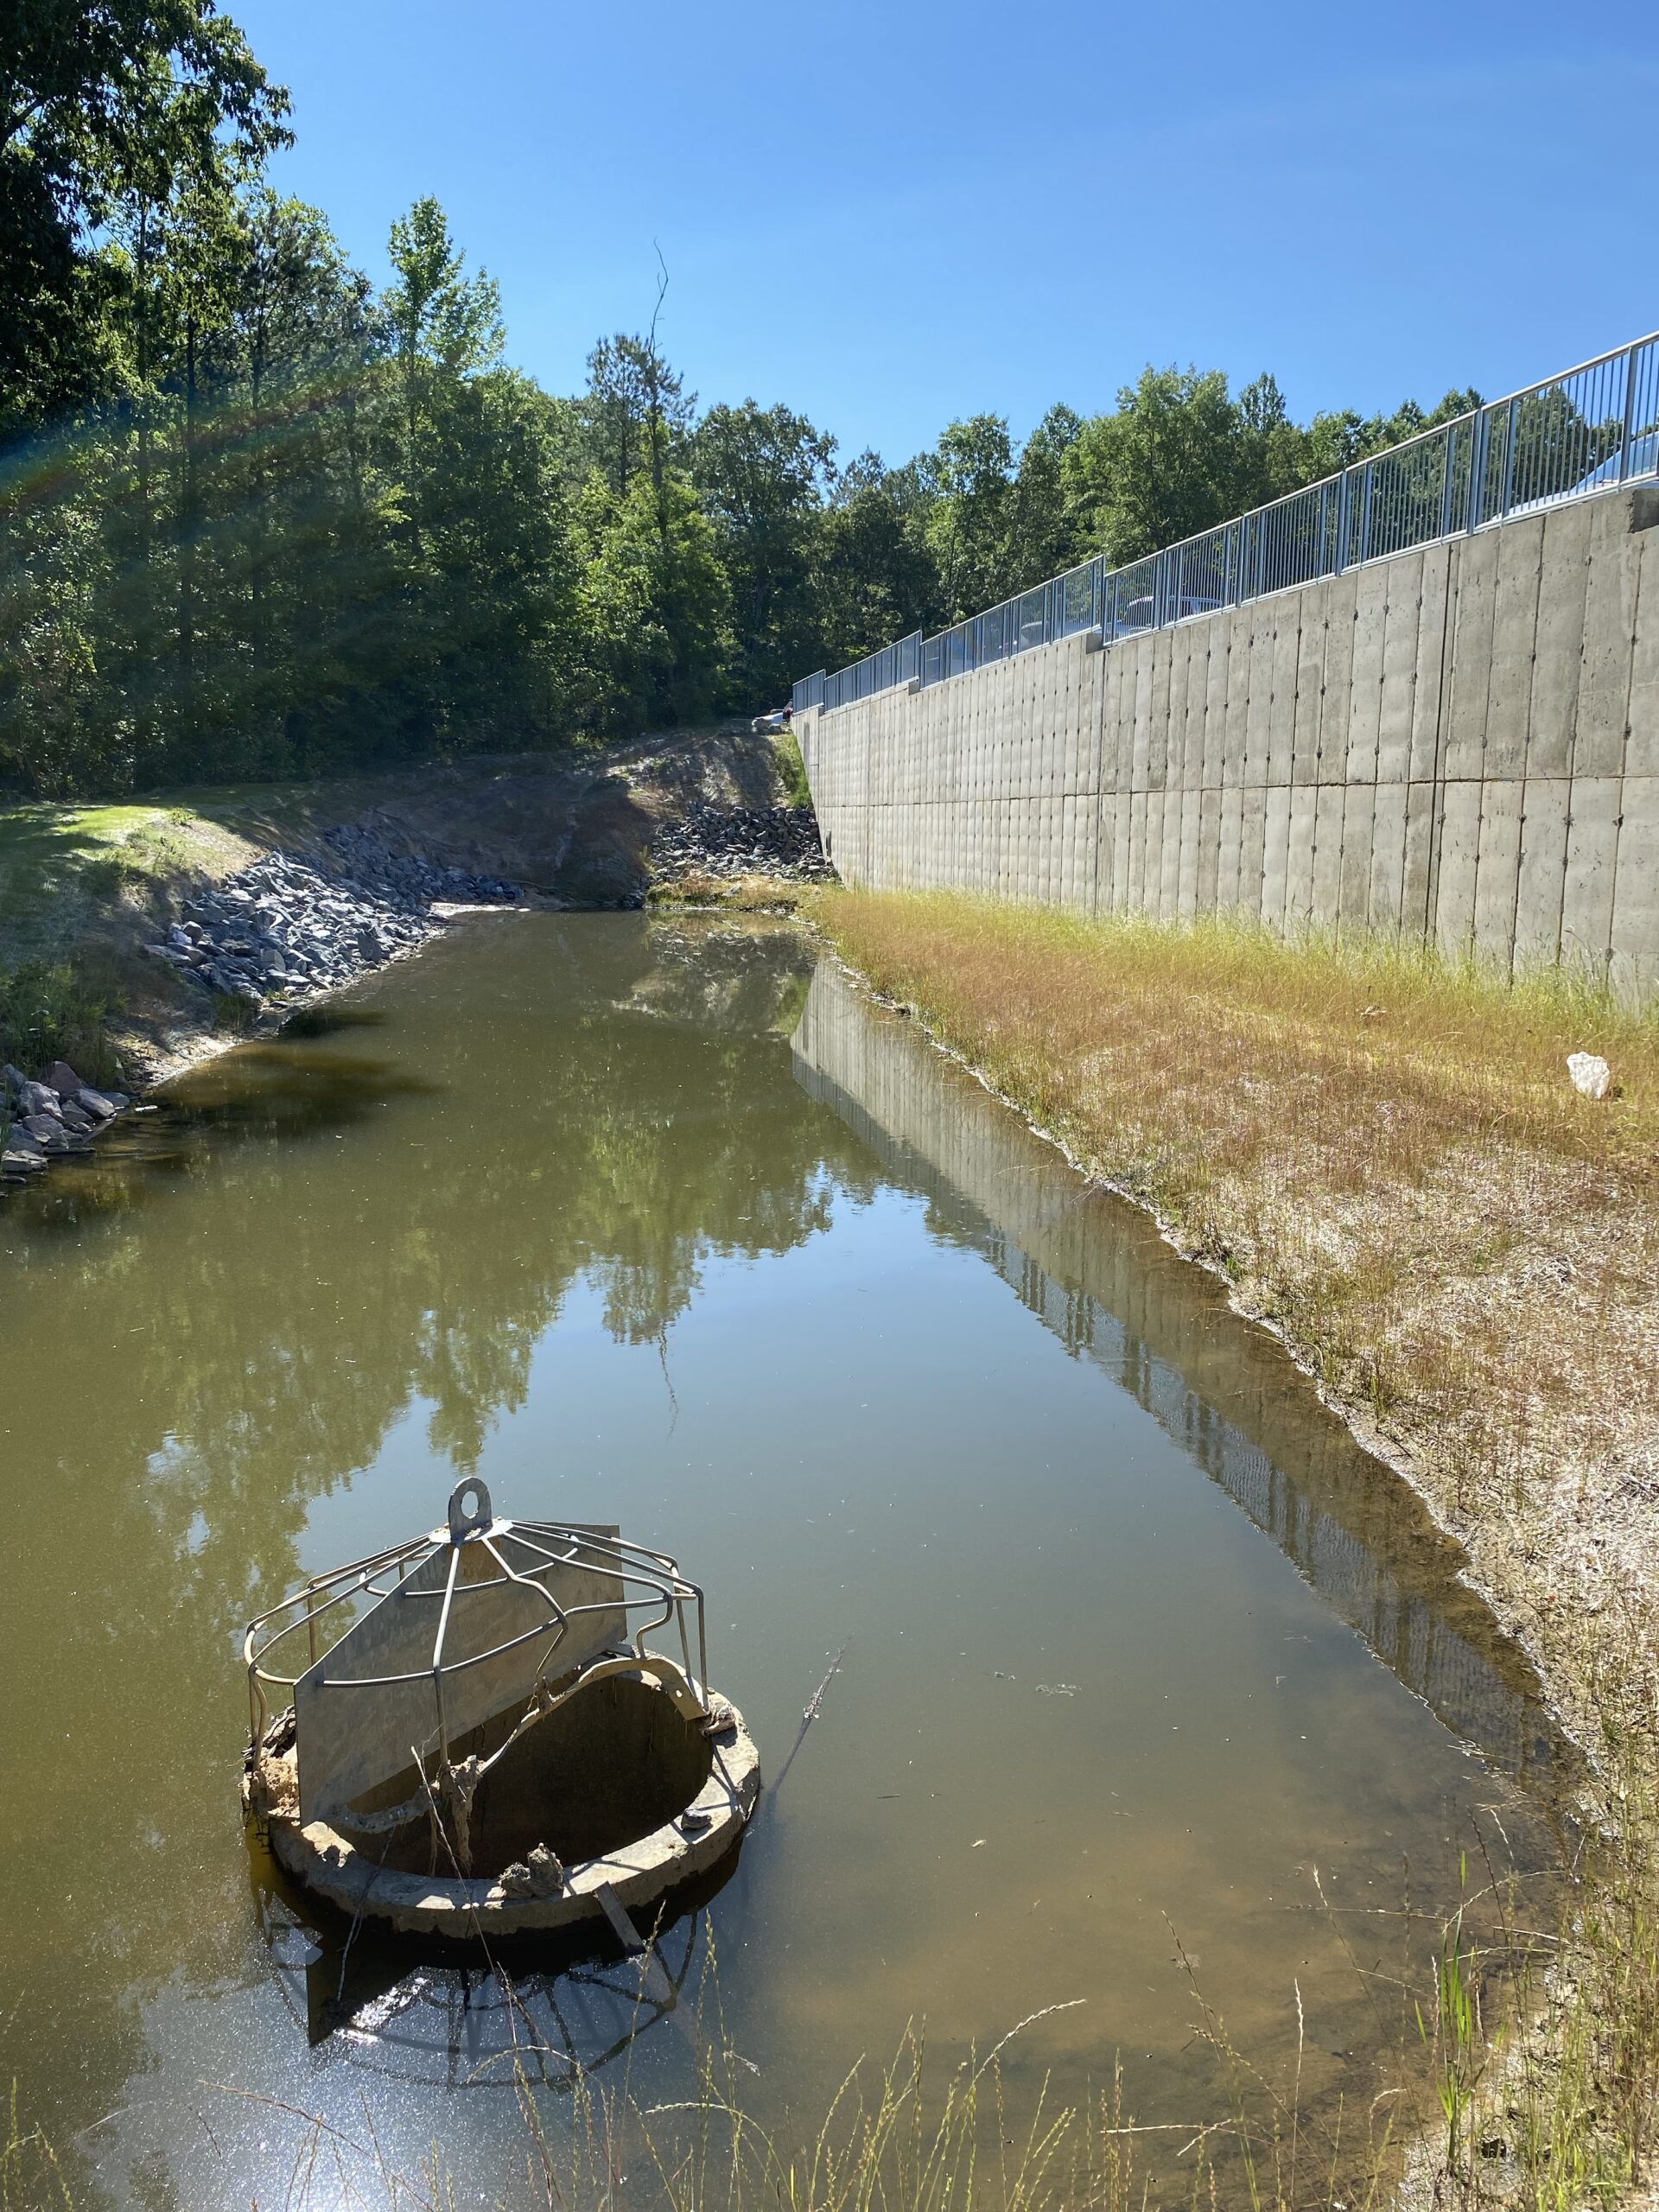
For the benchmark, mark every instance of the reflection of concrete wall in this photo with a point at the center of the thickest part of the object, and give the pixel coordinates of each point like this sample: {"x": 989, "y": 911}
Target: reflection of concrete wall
{"x": 1461, "y": 742}
{"x": 1099, "y": 1276}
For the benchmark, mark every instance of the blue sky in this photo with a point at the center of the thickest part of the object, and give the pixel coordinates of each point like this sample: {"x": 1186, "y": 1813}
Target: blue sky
{"x": 891, "y": 215}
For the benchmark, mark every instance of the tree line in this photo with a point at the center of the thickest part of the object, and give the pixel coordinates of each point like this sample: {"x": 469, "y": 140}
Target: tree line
{"x": 259, "y": 517}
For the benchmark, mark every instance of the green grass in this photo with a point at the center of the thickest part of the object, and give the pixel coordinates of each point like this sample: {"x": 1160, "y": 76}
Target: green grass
{"x": 58, "y": 1010}
{"x": 791, "y": 769}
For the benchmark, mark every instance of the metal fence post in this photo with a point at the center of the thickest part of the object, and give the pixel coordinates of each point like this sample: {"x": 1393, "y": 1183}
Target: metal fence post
{"x": 1344, "y": 516}
{"x": 1366, "y": 516}
{"x": 1479, "y": 440}
{"x": 1509, "y": 457}
{"x": 1630, "y": 412}
{"x": 1448, "y": 453}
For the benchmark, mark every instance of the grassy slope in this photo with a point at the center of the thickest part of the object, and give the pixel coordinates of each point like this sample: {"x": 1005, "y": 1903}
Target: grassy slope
{"x": 1385, "y": 1156}
{"x": 82, "y": 888}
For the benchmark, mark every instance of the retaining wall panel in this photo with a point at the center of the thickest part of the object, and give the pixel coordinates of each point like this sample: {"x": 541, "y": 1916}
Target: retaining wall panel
{"x": 1497, "y": 869}
{"x": 1209, "y": 849}
{"x": 1635, "y": 962}
{"x": 1215, "y": 665}
{"x": 1325, "y": 896}
{"x": 1186, "y": 901}
{"x": 1281, "y": 702}
{"x": 1365, "y": 694}
{"x": 1642, "y": 745}
{"x": 1354, "y": 888}
{"x": 1314, "y": 628}
{"x": 1252, "y": 848}
{"x": 1276, "y": 854}
{"x": 1258, "y": 714}
{"x": 1234, "y": 748}
{"x": 1609, "y": 634}
{"x": 1428, "y": 672}
{"x": 1387, "y": 889}
{"x": 1592, "y": 862}
{"x": 1514, "y": 623}
{"x": 1459, "y": 844}
{"x": 1232, "y": 838}
{"x": 1180, "y": 665}
{"x": 1472, "y": 657}
{"x": 1336, "y": 709}
{"x": 1543, "y": 865}
{"x": 1558, "y": 642}
{"x": 1402, "y": 626}
{"x": 1298, "y": 858}
{"x": 1416, "y": 890}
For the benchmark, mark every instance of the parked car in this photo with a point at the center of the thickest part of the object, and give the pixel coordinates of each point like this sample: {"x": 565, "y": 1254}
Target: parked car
{"x": 1140, "y": 613}
{"x": 770, "y": 725}
{"x": 1644, "y": 458}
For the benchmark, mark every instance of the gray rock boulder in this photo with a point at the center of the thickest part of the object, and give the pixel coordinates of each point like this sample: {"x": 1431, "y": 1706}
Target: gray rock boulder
{"x": 62, "y": 1078}
{"x": 98, "y": 1104}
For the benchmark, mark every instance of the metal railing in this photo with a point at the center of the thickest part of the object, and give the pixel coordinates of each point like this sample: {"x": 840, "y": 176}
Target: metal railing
{"x": 1589, "y": 429}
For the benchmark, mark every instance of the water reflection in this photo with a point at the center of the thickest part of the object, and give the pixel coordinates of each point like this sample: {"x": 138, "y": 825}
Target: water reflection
{"x": 215, "y": 1320}
{"x": 1104, "y": 1283}
{"x": 465, "y": 2021}
{"x": 568, "y": 1211}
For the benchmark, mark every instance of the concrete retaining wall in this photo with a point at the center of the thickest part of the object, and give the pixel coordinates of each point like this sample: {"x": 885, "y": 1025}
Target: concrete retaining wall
{"x": 1461, "y": 743}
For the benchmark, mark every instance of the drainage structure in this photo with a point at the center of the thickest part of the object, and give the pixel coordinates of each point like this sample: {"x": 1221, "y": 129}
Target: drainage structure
{"x": 467, "y": 1735}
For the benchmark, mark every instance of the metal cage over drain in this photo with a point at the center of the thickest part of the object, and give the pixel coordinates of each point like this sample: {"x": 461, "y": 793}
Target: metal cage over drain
{"x": 408, "y": 1654}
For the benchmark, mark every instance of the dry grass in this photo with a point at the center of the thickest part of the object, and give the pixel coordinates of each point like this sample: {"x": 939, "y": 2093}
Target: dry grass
{"x": 898, "y": 2138}
{"x": 1384, "y": 1153}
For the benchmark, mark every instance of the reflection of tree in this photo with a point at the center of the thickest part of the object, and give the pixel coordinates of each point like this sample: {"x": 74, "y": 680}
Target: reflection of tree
{"x": 180, "y": 1377}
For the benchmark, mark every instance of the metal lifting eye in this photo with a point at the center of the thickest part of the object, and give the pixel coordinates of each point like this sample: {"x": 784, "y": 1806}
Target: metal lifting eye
{"x": 463, "y": 1521}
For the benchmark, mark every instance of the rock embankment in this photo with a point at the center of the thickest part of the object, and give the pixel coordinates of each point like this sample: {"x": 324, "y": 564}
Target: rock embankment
{"x": 287, "y": 928}
{"x": 280, "y": 933}
{"x": 735, "y": 841}
{"x": 58, "y": 1113}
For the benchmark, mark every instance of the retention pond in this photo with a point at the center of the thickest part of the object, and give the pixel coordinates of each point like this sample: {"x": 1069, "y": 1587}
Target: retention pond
{"x": 1155, "y": 1694}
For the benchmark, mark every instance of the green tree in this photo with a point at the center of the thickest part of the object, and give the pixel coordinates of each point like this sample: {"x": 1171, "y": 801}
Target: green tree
{"x": 761, "y": 474}
{"x": 652, "y": 603}
{"x": 1044, "y": 536}
{"x": 972, "y": 470}
{"x": 93, "y": 92}
{"x": 1166, "y": 464}
{"x": 636, "y": 413}
{"x": 877, "y": 577}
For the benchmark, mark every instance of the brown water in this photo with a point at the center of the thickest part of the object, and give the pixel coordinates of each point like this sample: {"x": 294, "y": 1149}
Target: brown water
{"x": 648, "y": 1223}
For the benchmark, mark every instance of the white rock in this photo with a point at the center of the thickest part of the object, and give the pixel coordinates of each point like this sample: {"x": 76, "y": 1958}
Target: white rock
{"x": 1590, "y": 1072}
